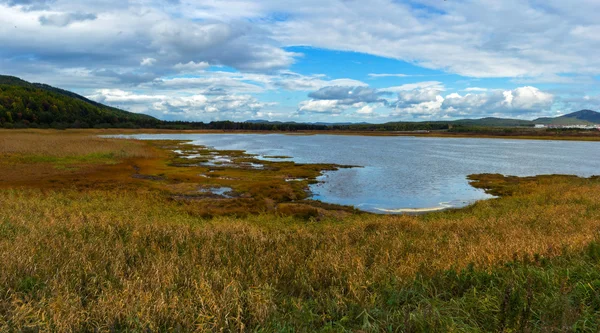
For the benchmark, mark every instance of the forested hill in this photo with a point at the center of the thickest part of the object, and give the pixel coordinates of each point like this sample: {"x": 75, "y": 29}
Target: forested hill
{"x": 24, "y": 104}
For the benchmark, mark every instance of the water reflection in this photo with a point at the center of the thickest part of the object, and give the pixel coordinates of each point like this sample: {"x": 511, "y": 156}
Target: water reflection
{"x": 408, "y": 174}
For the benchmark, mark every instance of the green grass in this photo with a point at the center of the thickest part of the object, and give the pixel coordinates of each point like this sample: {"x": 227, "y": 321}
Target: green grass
{"x": 536, "y": 294}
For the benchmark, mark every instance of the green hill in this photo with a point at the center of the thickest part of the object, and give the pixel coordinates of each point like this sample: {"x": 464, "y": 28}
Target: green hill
{"x": 561, "y": 121}
{"x": 583, "y": 117}
{"x": 25, "y": 104}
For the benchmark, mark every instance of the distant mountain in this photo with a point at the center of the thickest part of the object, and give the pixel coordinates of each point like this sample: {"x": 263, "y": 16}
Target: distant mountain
{"x": 35, "y": 104}
{"x": 583, "y": 117}
{"x": 262, "y": 121}
{"x": 340, "y": 124}
{"x": 491, "y": 121}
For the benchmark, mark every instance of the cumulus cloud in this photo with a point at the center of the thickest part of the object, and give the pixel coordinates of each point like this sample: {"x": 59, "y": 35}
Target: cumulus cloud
{"x": 426, "y": 109}
{"x": 148, "y": 62}
{"x": 191, "y": 66}
{"x": 293, "y": 81}
{"x": 172, "y": 49}
{"x": 529, "y": 98}
{"x": 249, "y": 82}
{"x": 336, "y": 99}
{"x": 348, "y": 95}
{"x": 518, "y": 101}
{"x": 365, "y": 110}
{"x": 118, "y": 35}
{"x": 427, "y": 101}
{"x": 231, "y": 44}
{"x": 191, "y": 107}
{"x": 417, "y": 96}
{"x": 321, "y": 106}
{"x": 468, "y": 38}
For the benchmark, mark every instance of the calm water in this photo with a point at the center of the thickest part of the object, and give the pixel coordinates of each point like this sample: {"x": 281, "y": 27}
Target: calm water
{"x": 400, "y": 173}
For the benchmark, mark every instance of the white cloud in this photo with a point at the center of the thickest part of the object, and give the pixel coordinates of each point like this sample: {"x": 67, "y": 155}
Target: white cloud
{"x": 425, "y": 101}
{"x": 527, "y": 41}
{"x": 205, "y": 82}
{"x": 469, "y": 38}
{"x": 425, "y": 109}
{"x": 321, "y": 106}
{"x": 375, "y": 75}
{"x": 191, "y": 66}
{"x": 419, "y": 95}
{"x": 119, "y": 34}
{"x": 365, "y": 110}
{"x": 116, "y": 96}
{"x": 297, "y": 82}
{"x": 530, "y": 98}
{"x": 478, "y": 39}
{"x": 191, "y": 107}
{"x": 517, "y": 102}
{"x": 148, "y": 62}
{"x": 348, "y": 95}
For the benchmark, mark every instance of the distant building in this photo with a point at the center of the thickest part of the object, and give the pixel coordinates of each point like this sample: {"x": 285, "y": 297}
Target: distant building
{"x": 584, "y": 127}
{"x": 540, "y": 126}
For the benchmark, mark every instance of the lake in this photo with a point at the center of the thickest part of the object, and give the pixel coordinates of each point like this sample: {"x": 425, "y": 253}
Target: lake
{"x": 408, "y": 174}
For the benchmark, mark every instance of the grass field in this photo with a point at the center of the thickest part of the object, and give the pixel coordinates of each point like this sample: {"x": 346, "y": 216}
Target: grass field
{"x": 101, "y": 240}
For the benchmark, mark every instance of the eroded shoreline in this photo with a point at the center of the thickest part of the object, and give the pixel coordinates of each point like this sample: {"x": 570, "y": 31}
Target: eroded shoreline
{"x": 221, "y": 166}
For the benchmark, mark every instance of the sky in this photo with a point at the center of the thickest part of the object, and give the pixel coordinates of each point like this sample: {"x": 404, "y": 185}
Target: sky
{"x": 370, "y": 61}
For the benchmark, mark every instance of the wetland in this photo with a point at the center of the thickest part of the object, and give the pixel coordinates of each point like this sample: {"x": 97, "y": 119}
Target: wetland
{"x": 402, "y": 174}
{"x": 105, "y": 235}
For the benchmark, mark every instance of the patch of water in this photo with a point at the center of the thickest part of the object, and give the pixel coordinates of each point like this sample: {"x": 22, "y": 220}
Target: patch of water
{"x": 223, "y": 191}
{"x": 400, "y": 173}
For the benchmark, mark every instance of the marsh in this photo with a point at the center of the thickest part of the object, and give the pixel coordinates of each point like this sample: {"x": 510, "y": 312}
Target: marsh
{"x": 407, "y": 174}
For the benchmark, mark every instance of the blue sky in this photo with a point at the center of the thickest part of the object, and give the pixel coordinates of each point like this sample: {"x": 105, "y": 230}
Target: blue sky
{"x": 326, "y": 60}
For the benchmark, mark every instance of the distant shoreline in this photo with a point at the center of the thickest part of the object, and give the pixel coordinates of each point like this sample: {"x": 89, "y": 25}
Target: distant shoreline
{"x": 593, "y": 136}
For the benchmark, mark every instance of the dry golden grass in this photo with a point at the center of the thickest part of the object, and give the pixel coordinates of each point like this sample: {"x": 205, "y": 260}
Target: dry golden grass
{"x": 33, "y": 156}
{"x": 132, "y": 259}
{"x": 66, "y": 144}
{"x": 114, "y": 260}
{"x": 85, "y": 161}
